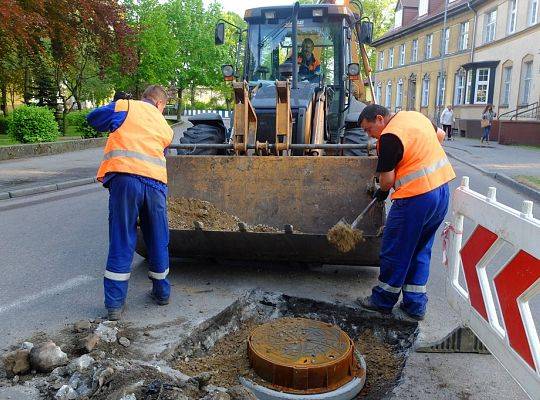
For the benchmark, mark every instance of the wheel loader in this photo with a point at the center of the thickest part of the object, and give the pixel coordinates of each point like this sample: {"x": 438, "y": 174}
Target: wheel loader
{"x": 294, "y": 157}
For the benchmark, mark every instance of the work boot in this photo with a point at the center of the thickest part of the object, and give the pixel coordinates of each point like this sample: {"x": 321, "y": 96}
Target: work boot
{"x": 157, "y": 300}
{"x": 367, "y": 303}
{"x": 115, "y": 314}
{"x": 416, "y": 317}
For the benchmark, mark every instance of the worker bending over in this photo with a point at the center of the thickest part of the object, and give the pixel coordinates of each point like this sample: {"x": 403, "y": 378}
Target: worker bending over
{"x": 134, "y": 171}
{"x": 412, "y": 161}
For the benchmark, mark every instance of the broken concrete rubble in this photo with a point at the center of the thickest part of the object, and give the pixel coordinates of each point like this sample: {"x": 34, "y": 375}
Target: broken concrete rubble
{"x": 80, "y": 364}
{"x": 17, "y": 362}
{"x": 47, "y": 356}
{"x": 106, "y": 332}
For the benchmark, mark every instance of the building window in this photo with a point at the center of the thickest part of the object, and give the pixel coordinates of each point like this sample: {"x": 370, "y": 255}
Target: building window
{"x": 463, "y": 36}
{"x": 441, "y": 86}
{"x": 414, "y": 50}
{"x": 481, "y": 86}
{"x": 468, "y": 88}
{"x": 490, "y": 24}
{"x": 425, "y": 91}
{"x": 533, "y": 12}
{"x": 423, "y": 7}
{"x": 459, "y": 88}
{"x": 399, "y": 95}
{"x": 526, "y": 82}
{"x": 402, "y": 54}
{"x": 381, "y": 60}
{"x": 388, "y": 100}
{"x": 398, "y": 17}
{"x": 378, "y": 92}
{"x": 512, "y": 14}
{"x": 446, "y": 40}
{"x": 507, "y": 79}
{"x": 429, "y": 46}
{"x": 391, "y": 57}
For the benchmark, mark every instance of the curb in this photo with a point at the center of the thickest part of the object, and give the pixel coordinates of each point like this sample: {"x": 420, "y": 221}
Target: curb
{"x": 505, "y": 179}
{"x": 18, "y": 151}
{"x": 46, "y": 188}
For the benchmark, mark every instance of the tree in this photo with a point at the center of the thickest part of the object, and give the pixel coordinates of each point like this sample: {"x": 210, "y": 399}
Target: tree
{"x": 380, "y": 12}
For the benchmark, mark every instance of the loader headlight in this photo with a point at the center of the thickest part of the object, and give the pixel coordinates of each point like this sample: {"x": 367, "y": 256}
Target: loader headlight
{"x": 228, "y": 72}
{"x": 353, "y": 70}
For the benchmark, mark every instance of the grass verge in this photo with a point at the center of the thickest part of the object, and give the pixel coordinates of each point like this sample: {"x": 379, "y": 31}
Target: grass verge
{"x": 531, "y": 181}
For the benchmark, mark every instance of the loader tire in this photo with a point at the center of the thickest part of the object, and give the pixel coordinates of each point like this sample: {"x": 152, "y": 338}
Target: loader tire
{"x": 355, "y": 136}
{"x": 202, "y": 133}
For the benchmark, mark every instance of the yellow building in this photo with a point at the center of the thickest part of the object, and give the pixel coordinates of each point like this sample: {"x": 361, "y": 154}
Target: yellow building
{"x": 419, "y": 59}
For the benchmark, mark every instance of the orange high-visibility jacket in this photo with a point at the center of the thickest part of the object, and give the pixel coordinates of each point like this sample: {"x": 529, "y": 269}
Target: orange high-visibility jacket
{"x": 424, "y": 165}
{"x": 137, "y": 146}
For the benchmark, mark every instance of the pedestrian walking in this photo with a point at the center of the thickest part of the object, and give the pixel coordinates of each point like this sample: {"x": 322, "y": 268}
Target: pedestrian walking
{"x": 134, "y": 171}
{"x": 486, "y": 122}
{"x": 414, "y": 164}
{"x": 447, "y": 120}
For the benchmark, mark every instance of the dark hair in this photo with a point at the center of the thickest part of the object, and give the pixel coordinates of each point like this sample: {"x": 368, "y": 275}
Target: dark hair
{"x": 369, "y": 113}
{"x": 488, "y": 106}
{"x": 122, "y": 96}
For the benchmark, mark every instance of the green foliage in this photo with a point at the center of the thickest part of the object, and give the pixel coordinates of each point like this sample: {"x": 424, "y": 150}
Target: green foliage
{"x": 31, "y": 124}
{"x": 77, "y": 119}
{"x": 4, "y": 122}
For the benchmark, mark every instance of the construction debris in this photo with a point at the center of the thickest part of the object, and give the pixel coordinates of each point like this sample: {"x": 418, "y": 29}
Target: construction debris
{"x": 47, "y": 356}
{"x": 185, "y": 213}
{"x": 344, "y": 237}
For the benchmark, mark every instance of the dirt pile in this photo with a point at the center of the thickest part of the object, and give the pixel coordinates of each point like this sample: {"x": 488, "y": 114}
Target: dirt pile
{"x": 185, "y": 212}
{"x": 382, "y": 365}
{"x": 344, "y": 237}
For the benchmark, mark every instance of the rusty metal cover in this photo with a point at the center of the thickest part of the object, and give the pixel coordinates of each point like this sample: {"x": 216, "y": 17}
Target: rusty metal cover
{"x": 303, "y": 356}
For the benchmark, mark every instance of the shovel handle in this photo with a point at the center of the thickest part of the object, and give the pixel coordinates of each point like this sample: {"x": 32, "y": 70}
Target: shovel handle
{"x": 359, "y": 218}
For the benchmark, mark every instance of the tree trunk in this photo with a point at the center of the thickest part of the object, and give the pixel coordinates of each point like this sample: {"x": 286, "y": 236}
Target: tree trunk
{"x": 192, "y": 94}
{"x": 12, "y": 96}
{"x": 3, "y": 102}
{"x": 26, "y": 95}
{"x": 179, "y": 105}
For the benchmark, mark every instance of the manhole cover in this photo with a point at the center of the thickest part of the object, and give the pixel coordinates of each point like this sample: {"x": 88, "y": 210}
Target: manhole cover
{"x": 298, "y": 355}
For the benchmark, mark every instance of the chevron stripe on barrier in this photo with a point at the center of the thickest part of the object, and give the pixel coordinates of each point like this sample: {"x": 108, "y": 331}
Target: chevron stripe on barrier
{"x": 514, "y": 340}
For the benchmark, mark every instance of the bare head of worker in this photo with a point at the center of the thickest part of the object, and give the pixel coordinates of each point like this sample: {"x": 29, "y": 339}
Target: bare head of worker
{"x": 449, "y": 107}
{"x": 158, "y": 95}
{"x": 373, "y": 119}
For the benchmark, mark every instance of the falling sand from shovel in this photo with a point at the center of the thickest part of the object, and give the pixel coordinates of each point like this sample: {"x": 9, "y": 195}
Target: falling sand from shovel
{"x": 345, "y": 237}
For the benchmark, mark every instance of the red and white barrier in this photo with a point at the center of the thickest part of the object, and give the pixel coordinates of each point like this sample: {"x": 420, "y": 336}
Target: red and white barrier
{"x": 512, "y": 339}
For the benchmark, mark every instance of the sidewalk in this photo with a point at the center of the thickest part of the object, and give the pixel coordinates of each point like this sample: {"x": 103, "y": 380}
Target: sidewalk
{"x": 516, "y": 166}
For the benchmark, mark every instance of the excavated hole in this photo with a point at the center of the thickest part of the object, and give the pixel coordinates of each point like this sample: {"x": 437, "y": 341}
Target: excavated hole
{"x": 219, "y": 346}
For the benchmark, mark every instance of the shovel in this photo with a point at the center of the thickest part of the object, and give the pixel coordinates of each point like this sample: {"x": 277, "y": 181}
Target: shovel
{"x": 344, "y": 236}
{"x": 361, "y": 215}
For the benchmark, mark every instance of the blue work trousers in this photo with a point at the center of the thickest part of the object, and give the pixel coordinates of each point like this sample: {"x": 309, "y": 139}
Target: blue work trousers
{"x": 130, "y": 199}
{"x": 406, "y": 249}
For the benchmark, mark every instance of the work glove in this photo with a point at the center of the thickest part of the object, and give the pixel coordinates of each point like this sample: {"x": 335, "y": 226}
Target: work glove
{"x": 381, "y": 195}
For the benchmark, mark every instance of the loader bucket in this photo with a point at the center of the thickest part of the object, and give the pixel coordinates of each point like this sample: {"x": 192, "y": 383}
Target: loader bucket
{"x": 309, "y": 193}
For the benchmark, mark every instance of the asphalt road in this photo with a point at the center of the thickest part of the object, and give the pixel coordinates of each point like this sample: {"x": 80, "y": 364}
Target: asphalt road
{"x": 53, "y": 249}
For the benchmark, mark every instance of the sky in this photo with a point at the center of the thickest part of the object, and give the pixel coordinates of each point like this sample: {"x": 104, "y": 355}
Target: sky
{"x": 239, "y": 6}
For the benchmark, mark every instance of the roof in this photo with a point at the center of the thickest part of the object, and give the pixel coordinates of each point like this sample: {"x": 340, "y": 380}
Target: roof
{"x": 410, "y": 3}
{"x": 431, "y": 18}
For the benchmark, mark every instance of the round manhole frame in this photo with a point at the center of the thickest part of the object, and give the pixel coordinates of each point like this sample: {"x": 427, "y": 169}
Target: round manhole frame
{"x": 301, "y": 377}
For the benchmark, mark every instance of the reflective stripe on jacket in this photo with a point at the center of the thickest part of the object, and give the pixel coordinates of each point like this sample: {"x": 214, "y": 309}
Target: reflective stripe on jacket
{"x": 424, "y": 165}
{"x": 137, "y": 146}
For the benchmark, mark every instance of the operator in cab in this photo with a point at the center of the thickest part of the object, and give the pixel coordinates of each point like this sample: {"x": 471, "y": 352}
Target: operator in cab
{"x": 413, "y": 163}
{"x": 134, "y": 171}
{"x": 308, "y": 66}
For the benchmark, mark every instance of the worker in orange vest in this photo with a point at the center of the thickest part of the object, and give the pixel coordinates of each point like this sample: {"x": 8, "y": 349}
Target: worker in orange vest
{"x": 413, "y": 163}
{"x": 134, "y": 171}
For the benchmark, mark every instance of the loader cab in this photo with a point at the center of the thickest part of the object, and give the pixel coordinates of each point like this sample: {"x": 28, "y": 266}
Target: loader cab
{"x": 330, "y": 29}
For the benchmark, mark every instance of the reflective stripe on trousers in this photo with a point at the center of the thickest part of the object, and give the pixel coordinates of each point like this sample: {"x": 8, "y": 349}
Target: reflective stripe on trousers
{"x": 423, "y": 172}
{"x": 158, "y": 275}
